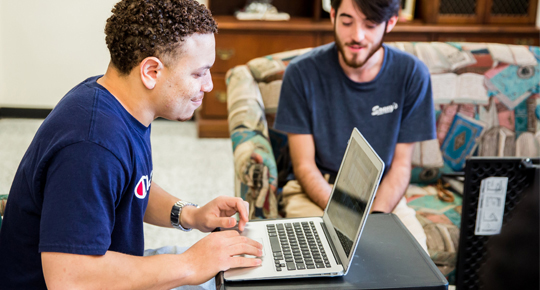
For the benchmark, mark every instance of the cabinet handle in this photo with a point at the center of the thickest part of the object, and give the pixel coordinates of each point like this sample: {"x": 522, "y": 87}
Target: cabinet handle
{"x": 524, "y": 41}
{"x": 225, "y": 54}
{"x": 221, "y": 96}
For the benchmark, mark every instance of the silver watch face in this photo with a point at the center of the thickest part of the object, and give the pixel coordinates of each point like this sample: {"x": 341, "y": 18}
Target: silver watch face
{"x": 176, "y": 212}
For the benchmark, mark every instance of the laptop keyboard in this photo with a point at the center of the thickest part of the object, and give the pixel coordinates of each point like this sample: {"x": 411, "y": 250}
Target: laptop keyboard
{"x": 296, "y": 246}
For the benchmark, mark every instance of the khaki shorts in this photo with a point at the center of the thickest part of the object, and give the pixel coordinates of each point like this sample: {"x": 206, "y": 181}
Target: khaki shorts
{"x": 297, "y": 204}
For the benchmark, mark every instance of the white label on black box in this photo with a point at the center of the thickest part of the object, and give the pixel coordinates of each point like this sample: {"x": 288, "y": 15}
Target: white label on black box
{"x": 491, "y": 203}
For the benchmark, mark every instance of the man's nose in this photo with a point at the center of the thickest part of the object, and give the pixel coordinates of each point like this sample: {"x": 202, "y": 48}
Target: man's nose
{"x": 358, "y": 33}
{"x": 207, "y": 85}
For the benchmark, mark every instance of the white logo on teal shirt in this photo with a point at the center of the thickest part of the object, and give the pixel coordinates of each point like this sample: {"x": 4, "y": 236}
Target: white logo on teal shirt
{"x": 377, "y": 111}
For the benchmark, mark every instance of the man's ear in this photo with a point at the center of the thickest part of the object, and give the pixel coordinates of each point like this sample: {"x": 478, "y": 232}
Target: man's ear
{"x": 332, "y": 15}
{"x": 391, "y": 23}
{"x": 150, "y": 68}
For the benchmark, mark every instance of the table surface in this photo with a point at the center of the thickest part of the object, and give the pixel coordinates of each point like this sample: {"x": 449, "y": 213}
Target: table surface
{"x": 387, "y": 257}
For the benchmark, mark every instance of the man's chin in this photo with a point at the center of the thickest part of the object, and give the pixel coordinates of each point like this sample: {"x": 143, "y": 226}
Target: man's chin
{"x": 354, "y": 61}
{"x": 181, "y": 118}
{"x": 185, "y": 117}
{"x": 358, "y": 60}
{"x": 355, "y": 64}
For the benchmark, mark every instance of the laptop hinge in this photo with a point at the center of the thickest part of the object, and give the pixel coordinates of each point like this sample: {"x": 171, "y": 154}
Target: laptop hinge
{"x": 327, "y": 234}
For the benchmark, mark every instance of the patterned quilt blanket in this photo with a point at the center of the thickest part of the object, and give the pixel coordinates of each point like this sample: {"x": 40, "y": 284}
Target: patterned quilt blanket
{"x": 441, "y": 220}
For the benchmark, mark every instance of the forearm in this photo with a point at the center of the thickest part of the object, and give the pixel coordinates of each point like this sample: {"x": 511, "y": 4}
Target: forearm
{"x": 313, "y": 183}
{"x": 115, "y": 270}
{"x": 392, "y": 188}
{"x": 160, "y": 202}
{"x": 302, "y": 149}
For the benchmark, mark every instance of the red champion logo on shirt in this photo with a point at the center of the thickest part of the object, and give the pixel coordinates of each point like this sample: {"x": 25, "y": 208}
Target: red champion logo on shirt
{"x": 143, "y": 186}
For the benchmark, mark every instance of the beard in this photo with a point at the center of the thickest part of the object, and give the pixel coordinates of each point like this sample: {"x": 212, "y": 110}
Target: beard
{"x": 353, "y": 62}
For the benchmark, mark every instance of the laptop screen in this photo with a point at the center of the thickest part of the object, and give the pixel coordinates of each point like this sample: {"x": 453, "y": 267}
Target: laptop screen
{"x": 351, "y": 194}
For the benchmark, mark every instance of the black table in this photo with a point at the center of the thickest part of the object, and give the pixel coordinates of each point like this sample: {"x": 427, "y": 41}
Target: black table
{"x": 387, "y": 257}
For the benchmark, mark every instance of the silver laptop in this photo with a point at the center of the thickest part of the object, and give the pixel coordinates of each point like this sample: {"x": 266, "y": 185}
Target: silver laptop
{"x": 320, "y": 246}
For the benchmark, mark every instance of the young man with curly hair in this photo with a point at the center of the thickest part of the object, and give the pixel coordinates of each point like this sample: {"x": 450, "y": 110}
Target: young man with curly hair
{"x": 75, "y": 214}
{"x": 356, "y": 81}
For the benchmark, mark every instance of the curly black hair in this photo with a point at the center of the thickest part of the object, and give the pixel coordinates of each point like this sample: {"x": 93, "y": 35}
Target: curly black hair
{"x": 142, "y": 28}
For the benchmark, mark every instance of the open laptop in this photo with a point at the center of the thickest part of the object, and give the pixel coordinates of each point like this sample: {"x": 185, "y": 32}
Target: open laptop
{"x": 320, "y": 246}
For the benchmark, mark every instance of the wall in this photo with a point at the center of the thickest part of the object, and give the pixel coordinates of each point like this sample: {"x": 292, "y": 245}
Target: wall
{"x": 50, "y": 46}
{"x": 47, "y": 47}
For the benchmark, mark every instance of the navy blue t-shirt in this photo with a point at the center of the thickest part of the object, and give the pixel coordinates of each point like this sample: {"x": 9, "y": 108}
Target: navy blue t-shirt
{"x": 81, "y": 188}
{"x": 318, "y": 98}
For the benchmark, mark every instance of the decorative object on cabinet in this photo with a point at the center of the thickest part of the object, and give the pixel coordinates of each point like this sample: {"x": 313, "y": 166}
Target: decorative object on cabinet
{"x": 261, "y": 10}
{"x": 407, "y": 10}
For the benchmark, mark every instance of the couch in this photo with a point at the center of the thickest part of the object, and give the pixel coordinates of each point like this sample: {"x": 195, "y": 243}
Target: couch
{"x": 486, "y": 102}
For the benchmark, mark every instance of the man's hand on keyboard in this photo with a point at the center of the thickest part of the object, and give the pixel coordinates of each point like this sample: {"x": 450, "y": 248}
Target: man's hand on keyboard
{"x": 221, "y": 251}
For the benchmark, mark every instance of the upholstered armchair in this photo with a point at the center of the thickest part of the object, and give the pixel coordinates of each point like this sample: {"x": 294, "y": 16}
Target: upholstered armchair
{"x": 3, "y": 201}
{"x": 252, "y": 97}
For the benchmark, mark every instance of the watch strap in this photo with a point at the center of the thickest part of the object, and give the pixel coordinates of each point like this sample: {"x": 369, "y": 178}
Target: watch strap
{"x": 176, "y": 212}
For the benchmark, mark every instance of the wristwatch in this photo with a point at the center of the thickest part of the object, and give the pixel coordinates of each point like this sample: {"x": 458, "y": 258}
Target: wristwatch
{"x": 176, "y": 211}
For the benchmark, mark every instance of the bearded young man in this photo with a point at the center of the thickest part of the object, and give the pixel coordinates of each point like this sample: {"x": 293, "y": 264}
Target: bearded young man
{"x": 357, "y": 81}
{"x": 74, "y": 219}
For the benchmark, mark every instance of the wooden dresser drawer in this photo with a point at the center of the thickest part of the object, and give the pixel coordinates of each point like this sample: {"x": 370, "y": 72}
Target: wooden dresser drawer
{"x": 215, "y": 102}
{"x": 235, "y": 48}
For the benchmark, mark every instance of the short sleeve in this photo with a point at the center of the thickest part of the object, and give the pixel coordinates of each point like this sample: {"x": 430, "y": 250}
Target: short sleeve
{"x": 84, "y": 182}
{"x": 293, "y": 113}
{"x": 418, "y": 116}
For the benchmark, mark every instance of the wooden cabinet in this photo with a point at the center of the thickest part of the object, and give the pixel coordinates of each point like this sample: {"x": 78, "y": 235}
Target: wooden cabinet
{"x": 237, "y": 42}
{"x": 479, "y": 11}
{"x": 233, "y": 48}
{"x": 215, "y": 102}
{"x": 511, "y": 11}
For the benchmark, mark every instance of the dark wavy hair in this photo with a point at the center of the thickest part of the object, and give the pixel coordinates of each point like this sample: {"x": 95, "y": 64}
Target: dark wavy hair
{"x": 142, "y": 28}
{"x": 378, "y": 11}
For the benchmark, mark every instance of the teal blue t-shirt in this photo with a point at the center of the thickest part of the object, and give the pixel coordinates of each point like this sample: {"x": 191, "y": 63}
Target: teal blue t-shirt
{"x": 318, "y": 98}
